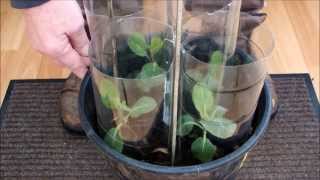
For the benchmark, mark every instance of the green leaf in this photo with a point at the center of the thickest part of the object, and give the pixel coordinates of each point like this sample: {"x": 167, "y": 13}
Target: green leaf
{"x": 185, "y": 125}
{"x": 109, "y": 93}
{"x": 142, "y": 106}
{"x": 203, "y": 150}
{"x": 113, "y": 139}
{"x": 149, "y": 70}
{"x": 156, "y": 45}
{"x": 215, "y": 71}
{"x": 123, "y": 106}
{"x": 137, "y": 44}
{"x": 216, "y": 58}
{"x": 218, "y": 112}
{"x": 212, "y": 82}
{"x": 147, "y": 84}
{"x": 203, "y": 100}
{"x": 220, "y": 127}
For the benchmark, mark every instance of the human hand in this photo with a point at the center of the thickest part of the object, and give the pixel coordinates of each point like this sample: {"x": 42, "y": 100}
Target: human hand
{"x": 56, "y": 28}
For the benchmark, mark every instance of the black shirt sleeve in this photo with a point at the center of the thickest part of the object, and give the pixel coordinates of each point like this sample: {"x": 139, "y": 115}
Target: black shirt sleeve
{"x": 23, "y": 4}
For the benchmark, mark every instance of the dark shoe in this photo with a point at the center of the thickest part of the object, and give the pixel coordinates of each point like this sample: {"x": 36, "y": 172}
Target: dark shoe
{"x": 69, "y": 104}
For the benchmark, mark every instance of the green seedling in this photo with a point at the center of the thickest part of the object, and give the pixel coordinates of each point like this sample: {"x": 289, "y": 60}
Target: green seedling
{"x": 110, "y": 95}
{"x": 110, "y": 98}
{"x": 139, "y": 46}
{"x": 212, "y": 77}
{"x": 212, "y": 118}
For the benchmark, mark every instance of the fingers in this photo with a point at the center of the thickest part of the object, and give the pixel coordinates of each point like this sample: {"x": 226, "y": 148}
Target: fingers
{"x": 80, "y": 41}
{"x": 56, "y": 29}
{"x": 80, "y": 72}
{"x": 85, "y": 60}
{"x": 72, "y": 59}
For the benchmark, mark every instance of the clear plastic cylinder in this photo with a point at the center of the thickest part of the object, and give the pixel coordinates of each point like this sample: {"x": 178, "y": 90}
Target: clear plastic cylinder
{"x": 219, "y": 91}
{"x": 132, "y": 53}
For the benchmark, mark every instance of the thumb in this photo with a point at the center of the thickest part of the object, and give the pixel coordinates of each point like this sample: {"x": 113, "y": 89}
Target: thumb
{"x": 80, "y": 41}
{"x": 72, "y": 59}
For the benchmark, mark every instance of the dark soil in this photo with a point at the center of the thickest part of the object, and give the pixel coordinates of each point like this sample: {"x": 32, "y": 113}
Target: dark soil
{"x": 202, "y": 47}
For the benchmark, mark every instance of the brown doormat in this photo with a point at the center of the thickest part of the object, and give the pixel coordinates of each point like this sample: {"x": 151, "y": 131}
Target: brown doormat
{"x": 33, "y": 144}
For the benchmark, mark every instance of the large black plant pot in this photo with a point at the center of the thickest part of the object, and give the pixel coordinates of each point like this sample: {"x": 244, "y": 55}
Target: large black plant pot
{"x": 128, "y": 168}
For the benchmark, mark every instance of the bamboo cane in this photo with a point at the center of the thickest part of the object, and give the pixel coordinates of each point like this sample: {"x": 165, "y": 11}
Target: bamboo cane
{"x": 231, "y": 36}
{"x": 176, "y": 80}
{"x": 232, "y": 28}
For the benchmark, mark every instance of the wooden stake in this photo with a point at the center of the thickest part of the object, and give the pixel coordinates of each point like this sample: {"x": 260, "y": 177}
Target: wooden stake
{"x": 231, "y": 36}
{"x": 232, "y": 28}
{"x": 176, "y": 80}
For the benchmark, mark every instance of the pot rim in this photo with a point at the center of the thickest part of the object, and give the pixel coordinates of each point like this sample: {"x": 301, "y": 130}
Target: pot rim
{"x": 265, "y": 53}
{"x": 234, "y": 156}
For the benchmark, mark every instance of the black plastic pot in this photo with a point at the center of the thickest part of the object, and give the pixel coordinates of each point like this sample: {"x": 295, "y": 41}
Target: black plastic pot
{"x": 128, "y": 168}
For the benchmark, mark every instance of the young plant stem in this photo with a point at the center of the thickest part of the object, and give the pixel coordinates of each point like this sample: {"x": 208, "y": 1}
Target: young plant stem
{"x": 121, "y": 119}
{"x": 195, "y": 124}
{"x": 204, "y": 139}
{"x": 126, "y": 118}
{"x": 150, "y": 55}
{"x": 151, "y": 58}
{"x": 123, "y": 122}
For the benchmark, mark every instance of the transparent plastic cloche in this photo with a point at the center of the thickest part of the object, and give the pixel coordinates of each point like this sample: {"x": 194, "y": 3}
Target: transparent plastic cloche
{"x": 132, "y": 52}
{"x": 148, "y": 54}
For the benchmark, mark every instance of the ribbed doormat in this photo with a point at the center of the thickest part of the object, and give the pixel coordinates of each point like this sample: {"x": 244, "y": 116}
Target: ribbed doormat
{"x": 33, "y": 144}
